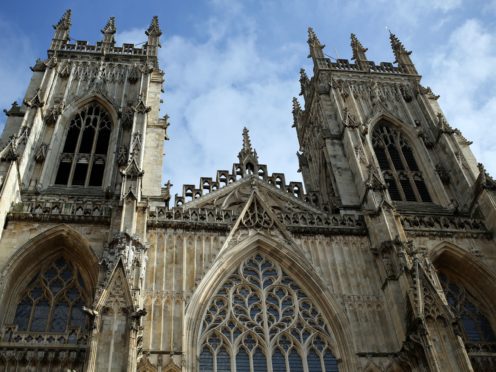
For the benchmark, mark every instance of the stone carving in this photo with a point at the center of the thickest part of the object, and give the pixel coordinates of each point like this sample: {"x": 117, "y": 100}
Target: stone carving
{"x": 15, "y": 110}
{"x": 122, "y": 156}
{"x": 53, "y": 113}
{"x": 134, "y": 74}
{"x": 444, "y": 174}
{"x": 64, "y": 69}
{"x": 40, "y": 155}
{"x": 35, "y": 101}
{"x": 166, "y": 195}
{"x": 9, "y": 152}
{"x": 140, "y": 106}
{"x": 256, "y": 217}
{"x": 127, "y": 116}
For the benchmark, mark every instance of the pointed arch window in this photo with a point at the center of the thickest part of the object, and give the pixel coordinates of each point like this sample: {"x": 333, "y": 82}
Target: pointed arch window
{"x": 477, "y": 333}
{"x": 403, "y": 177}
{"x": 53, "y": 303}
{"x": 83, "y": 158}
{"x": 259, "y": 318}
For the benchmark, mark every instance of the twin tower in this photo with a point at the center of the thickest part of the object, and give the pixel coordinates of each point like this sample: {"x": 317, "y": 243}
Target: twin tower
{"x": 382, "y": 260}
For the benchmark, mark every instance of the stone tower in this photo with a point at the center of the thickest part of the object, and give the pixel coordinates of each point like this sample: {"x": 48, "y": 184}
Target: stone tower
{"x": 80, "y": 156}
{"x": 383, "y": 260}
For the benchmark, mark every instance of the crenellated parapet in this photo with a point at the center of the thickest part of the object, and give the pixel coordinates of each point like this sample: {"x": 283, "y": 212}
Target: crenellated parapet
{"x": 247, "y": 166}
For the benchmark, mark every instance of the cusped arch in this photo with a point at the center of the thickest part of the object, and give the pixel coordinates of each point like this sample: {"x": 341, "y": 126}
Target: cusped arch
{"x": 76, "y": 105}
{"x": 296, "y": 266}
{"x": 471, "y": 273}
{"x": 61, "y": 240}
{"x": 410, "y": 134}
{"x": 53, "y": 162}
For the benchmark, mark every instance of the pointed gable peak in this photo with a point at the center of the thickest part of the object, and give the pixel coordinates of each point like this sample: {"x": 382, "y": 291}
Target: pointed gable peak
{"x": 357, "y": 46}
{"x": 247, "y": 152}
{"x": 109, "y": 27}
{"x": 154, "y": 29}
{"x": 65, "y": 21}
{"x": 312, "y": 38}
{"x": 396, "y": 44}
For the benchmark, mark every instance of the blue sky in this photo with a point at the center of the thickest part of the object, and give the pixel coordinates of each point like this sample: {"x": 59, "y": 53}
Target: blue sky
{"x": 233, "y": 63}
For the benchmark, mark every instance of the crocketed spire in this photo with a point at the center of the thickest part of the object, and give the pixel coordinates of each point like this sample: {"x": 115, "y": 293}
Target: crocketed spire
{"x": 247, "y": 152}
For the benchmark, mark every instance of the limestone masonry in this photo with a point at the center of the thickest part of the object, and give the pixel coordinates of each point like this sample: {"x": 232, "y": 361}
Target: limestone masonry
{"x": 382, "y": 260}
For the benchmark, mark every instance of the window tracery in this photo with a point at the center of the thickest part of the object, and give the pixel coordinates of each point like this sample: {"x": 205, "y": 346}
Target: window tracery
{"x": 477, "y": 333}
{"x": 83, "y": 158}
{"x": 53, "y": 301}
{"x": 259, "y": 318}
{"x": 399, "y": 167}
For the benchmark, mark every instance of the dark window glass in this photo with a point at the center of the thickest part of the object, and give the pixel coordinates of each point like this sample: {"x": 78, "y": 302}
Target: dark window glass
{"x": 278, "y": 362}
{"x": 223, "y": 361}
{"x": 40, "y": 316}
{"x": 259, "y": 361}
{"x": 295, "y": 363}
{"x": 395, "y": 156}
{"x": 52, "y": 301}
{"x": 72, "y": 137}
{"x": 408, "y": 154}
{"x": 87, "y": 140}
{"x": 23, "y": 313}
{"x": 80, "y": 174}
{"x": 313, "y": 361}
{"x": 63, "y": 173}
{"x": 88, "y": 134}
{"x": 242, "y": 361}
{"x": 206, "y": 360}
{"x": 475, "y": 325}
{"x": 331, "y": 364}
{"x": 103, "y": 141}
{"x": 97, "y": 173}
{"x": 422, "y": 189}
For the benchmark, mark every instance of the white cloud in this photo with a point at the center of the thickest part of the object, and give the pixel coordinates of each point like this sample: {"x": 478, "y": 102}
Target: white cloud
{"x": 216, "y": 87}
{"x": 463, "y": 72}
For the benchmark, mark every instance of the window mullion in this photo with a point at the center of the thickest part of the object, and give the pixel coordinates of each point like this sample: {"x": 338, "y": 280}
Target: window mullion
{"x": 92, "y": 154}
{"x": 394, "y": 173}
{"x": 76, "y": 150}
{"x": 409, "y": 173}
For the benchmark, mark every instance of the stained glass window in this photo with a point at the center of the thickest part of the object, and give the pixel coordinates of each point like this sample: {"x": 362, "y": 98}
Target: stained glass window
{"x": 477, "y": 333}
{"x": 82, "y": 161}
{"x": 52, "y": 301}
{"x": 261, "y": 317}
{"x": 400, "y": 170}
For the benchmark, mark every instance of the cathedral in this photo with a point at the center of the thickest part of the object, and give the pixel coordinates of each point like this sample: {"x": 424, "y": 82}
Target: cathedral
{"x": 382, "y": 260}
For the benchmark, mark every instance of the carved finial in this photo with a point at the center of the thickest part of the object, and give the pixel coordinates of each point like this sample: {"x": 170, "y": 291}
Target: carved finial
{"x": 109, "y": 28}
{"x": 108, "y": 32}
{"x": 397, "y": 45}
{"x": 65, "y": 22}
{"x": 304, "y": 81}
{"x": 154, "y": 29}
{"x": 61, "y": 34}
{"x": 402, "y": 55}
{"x": 315, "y": 45}
{"x": 312, "y": 37}
{"x": 359, "y": 52}
{"x": 246, "y": 140}
{"x": 247, "y": 151}
{"x": 296, "y": 111}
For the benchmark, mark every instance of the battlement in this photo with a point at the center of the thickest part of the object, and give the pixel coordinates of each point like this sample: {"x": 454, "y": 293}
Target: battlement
{"x": 247, "y": 166}
{"x": 82, "y": 46}
{"x": 61, "y": 41}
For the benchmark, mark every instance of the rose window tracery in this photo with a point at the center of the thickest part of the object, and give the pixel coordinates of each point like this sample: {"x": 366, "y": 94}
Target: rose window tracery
{"x": 261, "y": 320}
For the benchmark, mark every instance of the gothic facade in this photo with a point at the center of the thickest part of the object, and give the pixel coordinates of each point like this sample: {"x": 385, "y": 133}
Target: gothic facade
{"x": 382, "y": 260}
